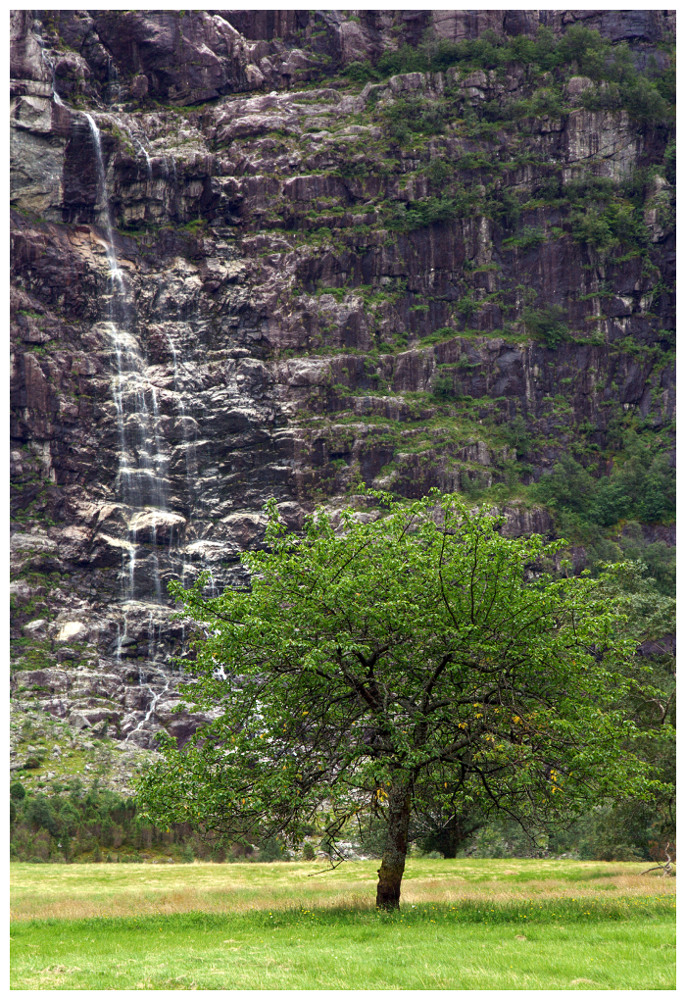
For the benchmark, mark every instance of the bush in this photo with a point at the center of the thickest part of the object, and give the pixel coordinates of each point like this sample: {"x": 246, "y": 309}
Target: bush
{"x": 426, "y": 212}
{"x": 501, "y": 838}
{"x": 504, "y": 208}
{"x": 670, "y": 162}
{"x": 415, "y": 115}
{"x": 466, "y": 307}
{"x": 527, "y": 238}
{"x": 438, "y": 171}
{"x": 647, "y": 96}
{"x": 517, "y": 435}
{"x": 547, "y": 324}
{"x": 41, "y": 815}
{"x": 361, "y": 72}
{"x": 658, "y": 557}
{"x": 442, "y": 387}
{"x": 271, "y": 850}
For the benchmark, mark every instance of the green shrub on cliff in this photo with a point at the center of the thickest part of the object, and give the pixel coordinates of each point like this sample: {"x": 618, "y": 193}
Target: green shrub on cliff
{"x": 548, "y": 324}
{"x": 647, "y": 95}
{"x": 407, "y": 216}
{"x": 642, "y": 488}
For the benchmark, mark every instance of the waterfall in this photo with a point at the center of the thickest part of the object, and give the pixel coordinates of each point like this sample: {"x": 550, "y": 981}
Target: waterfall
{"x": 144, "y": 684}
{"x": 50, "y": 63}
{"x": 142, "y": 472}
{"x": 135, "y": 140}
{"x": 102, "y": 199}
{"x": 122, "y": 637}
{"x": 152, "y": 705}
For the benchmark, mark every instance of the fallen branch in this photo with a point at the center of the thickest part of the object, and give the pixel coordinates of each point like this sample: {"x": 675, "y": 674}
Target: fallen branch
{"x": 334, "y": 865}
{"x": 666, "y": 867}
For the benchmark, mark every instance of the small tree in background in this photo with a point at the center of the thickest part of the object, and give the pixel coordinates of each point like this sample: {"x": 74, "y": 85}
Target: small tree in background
{"x": 401, "y": 660}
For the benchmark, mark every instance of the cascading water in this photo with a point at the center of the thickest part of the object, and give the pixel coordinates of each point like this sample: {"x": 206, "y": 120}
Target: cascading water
{"x": 153, "y": 534}
{"x": 142, "y": 473}
{"x": 50, "y": 63}
{"x": 137, "y": 142}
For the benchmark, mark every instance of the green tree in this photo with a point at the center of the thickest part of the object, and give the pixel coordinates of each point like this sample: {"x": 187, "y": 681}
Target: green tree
{"x": 17, "y": 791}
{"x": 394, "y": 657}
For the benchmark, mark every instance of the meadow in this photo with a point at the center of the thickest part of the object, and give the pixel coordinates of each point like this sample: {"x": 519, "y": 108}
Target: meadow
{"x": 463, "y": 924}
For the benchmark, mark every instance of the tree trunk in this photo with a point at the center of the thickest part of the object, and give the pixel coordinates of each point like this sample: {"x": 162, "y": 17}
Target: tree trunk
{"x": 454, "y": 834}
{"x": 450, "y": 837}
{"x": 395, "y": 850}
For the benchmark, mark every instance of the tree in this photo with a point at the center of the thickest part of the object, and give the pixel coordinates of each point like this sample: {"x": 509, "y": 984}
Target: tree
{"x": 392, "y": 659}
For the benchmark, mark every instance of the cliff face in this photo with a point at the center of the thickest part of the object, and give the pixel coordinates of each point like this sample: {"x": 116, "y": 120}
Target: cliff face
{"x": 253, "y": 257}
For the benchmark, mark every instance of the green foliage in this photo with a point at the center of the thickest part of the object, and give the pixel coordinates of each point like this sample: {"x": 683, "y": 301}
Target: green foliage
{"x": 504, "y": 208}
{"x": 40, "y": 814}
{"x": 407, "y": 216}
{"x": 639, "y": 97}
{"x": 17, "y": 791}
{"x": 648, "y": 96}
{"x": 670, "y": 162}
{"x": 658, "y": 558}
{"x": 360, "y": 72}
{"x": 643, "y": 487}
{"x": 442, "y": 387}
{"x": 439, "y": 171}
{"x": 527, "y": 238}
{"x": 546, "y": 101}
{"x": 548, "y": 324}
{"x": 271, "y": 850}
{"x": 392, "y": 661}
{"x": 74, "y": 821}
{"x": 503, "y": 838}
{"x": 518, "y": 436}
{"x": 194, "y": 226}
{"x": 466, "y": 307}
{"x": 614, "y": 224}
{"x": 414, "y": 115}
{"x": 617, "y": 832}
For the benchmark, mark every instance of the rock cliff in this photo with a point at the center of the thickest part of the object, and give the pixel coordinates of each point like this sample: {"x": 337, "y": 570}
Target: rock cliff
{"x": 279, "y": 253}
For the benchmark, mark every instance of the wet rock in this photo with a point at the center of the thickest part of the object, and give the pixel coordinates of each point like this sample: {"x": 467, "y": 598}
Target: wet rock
{"x": 184, "y": 58}
{"x": 36, "y": 627}
{"x": 29, "y": 72}
{"x": 71, "y": 630}
{"x": 78, "y": 721}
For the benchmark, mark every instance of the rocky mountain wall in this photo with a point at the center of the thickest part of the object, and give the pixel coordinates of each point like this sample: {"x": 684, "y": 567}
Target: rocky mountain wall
{"x": 247, "y": 264}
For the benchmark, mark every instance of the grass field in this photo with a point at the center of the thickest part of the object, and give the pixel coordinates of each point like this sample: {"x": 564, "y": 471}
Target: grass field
{"x": 463, "y": 925}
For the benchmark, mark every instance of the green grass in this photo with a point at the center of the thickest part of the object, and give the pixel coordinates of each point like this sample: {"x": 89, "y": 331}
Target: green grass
{"x": 463, "y": 925}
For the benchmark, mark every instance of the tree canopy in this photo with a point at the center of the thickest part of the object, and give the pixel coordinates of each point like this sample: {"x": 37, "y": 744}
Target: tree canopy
{"x": 405, "y": 658}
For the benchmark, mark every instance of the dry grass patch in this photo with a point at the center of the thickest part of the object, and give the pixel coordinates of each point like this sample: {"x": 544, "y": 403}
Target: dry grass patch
{"x": 75, "y": 891}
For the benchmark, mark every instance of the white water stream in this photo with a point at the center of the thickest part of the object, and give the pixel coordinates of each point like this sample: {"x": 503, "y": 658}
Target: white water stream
{"x": 142, "y": 473}
{"x": 142, "y": 453}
